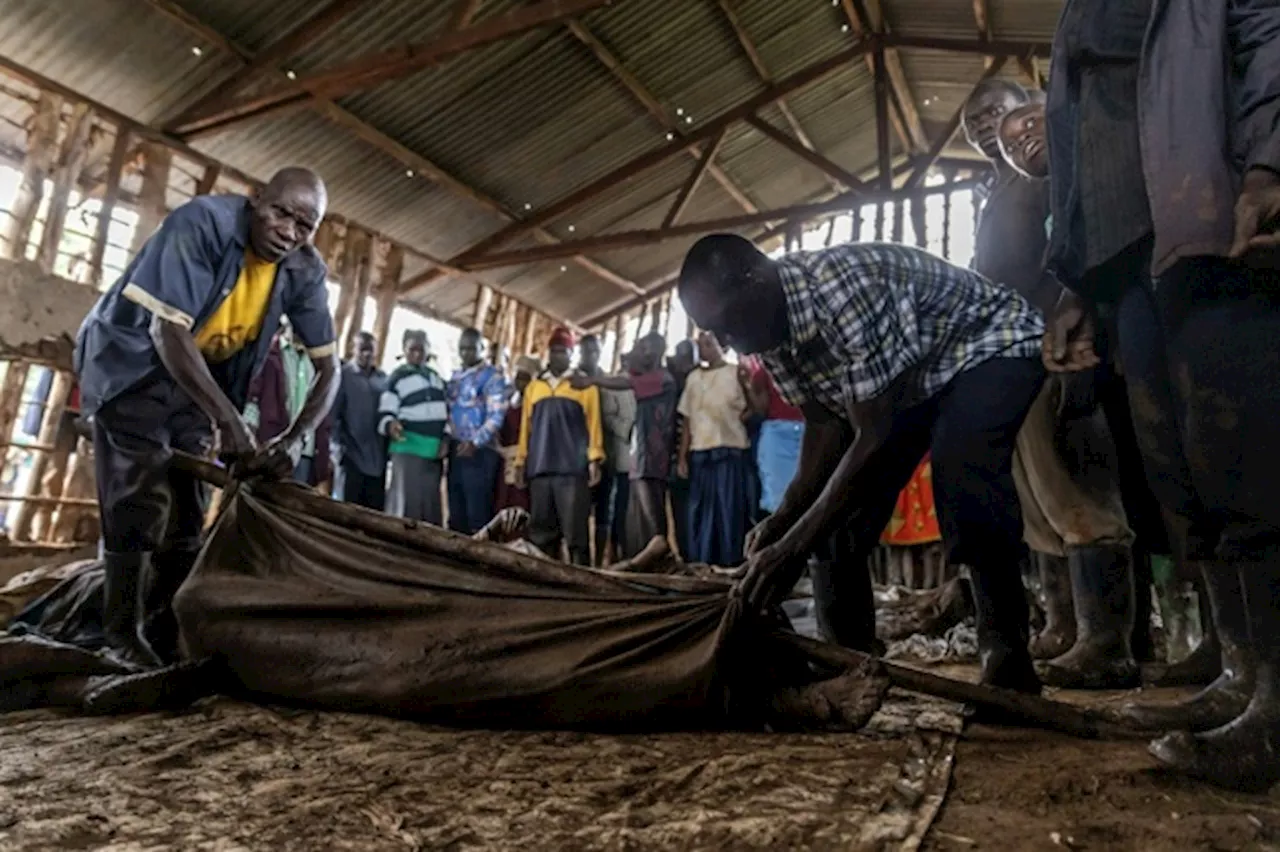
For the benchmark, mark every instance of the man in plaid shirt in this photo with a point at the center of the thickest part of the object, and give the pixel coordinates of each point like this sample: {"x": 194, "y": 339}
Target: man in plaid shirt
{"x": 890, "y": 352}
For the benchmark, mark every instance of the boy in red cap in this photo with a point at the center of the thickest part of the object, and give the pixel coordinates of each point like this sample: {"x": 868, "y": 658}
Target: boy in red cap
{"x": 559, "y": 455}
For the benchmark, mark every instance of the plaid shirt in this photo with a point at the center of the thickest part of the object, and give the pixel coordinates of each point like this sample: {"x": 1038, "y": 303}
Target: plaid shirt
{"x": 865, "y": 314}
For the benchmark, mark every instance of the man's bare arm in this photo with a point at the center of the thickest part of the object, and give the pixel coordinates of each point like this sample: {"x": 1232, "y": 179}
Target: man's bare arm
{"x": 177, "y": 349}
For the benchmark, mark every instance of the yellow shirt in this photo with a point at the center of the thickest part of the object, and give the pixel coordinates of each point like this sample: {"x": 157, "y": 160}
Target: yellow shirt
{"x": 238, "y": 320}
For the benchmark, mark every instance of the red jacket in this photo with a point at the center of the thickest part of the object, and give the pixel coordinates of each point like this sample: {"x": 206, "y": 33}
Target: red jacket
{"x": 269, "y": 392}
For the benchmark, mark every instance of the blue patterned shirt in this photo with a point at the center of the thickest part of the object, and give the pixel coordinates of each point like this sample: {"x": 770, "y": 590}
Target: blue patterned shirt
{"x": 864, "y": 315}
{"x": 477, "y": 404}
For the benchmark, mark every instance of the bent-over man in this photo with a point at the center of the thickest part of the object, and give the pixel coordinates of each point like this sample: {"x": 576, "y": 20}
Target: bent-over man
{"x": 169, "y": 351}
{"x": 903, "y": 353}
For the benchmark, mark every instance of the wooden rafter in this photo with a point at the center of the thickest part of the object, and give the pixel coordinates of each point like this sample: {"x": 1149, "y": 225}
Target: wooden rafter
{"x": 906, "y": 118}
{"x": 268, "y": 59}
{"x": 632, "y": 239}
{"x": 388, "y": 65}
{"x": 409, "y": 158}
{"x": 880, "y": 78}
{"x": 654, "y": 107}
{"x": 953, "y": 124}
{"x": 982, "y": 20}
{"x": 831, "y": 170}
{"x": 691, "y": 185}
{"x": 762, "y": 71}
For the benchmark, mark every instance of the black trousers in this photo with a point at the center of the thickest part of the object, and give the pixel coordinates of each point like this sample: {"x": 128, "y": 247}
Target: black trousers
{"x": 970, "y": 429}
{"x": 1200, "y": 358}
{"x": 355, "y": 486}
{"x": 559, "y": 509}
{"x": 146, "y": 505}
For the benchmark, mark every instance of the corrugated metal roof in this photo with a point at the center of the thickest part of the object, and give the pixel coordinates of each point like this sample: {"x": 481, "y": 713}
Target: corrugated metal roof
{"x": 525, "y": 121}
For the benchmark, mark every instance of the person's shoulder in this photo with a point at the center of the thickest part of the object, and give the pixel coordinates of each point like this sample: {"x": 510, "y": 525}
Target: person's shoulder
{"x": 213, "y": 216}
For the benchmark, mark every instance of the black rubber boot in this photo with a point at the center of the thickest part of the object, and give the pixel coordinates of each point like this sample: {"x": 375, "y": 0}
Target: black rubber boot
{"x": 1102, "y": 583}
{"x": 123, "y": 609}
{"x": 1001, "y": 615}
{"x": 1059, "y": 632}
{"x": 1243, "y": 754}
{"x": 171, "y": 568}
{"x": 1228, "y": 696}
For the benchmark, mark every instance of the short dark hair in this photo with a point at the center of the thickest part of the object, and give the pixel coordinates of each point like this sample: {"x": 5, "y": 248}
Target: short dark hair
{"x": 589, "y": 338}
{"x": 655, "y": 337}
{"x": 718, "y": 259}
{"x": 471, "y": 331}
{"x": 366, "y": 337}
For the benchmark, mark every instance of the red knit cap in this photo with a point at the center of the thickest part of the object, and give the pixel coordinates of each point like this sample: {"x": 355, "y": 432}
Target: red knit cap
{"x": 562, "y": 337}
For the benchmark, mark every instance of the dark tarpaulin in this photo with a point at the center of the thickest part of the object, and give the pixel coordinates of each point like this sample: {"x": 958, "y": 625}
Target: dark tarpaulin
{"x": 307, "y": 601}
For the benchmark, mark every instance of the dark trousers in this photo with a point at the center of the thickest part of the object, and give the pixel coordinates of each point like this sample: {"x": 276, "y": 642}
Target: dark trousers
{"x": 1200, "y": 357}
{"x": 473, "y": 482}
{"x": 719, "y": 506}
{"x": 145, "y": 503}
{"x": 610, "y": 506}
{"x": 354, "y": 486}
{"x": 969, "y": 429}
{"x": 559, "y": 508}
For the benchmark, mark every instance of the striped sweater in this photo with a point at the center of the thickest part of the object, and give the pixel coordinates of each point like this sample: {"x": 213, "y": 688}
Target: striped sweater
{"x": 415, "y": 396}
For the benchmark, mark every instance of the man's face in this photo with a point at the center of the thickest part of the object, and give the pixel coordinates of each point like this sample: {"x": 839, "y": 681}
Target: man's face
{"x": 415, "y": 353}
{"x": 284, "y": 219}
{"x": 709, "y": 347}
{"x": 738, "y": 318}
{"x": 589, "y": 355}
{"x": 1023, "y": 143}
{"x": 365, "y": 352}
{"x": 469, "y": 350}
{"x": 522, "y": 381}
{"x": 647, "y": 354}
{"x": 558, "y": 360}
{"x": 982, "y": 117}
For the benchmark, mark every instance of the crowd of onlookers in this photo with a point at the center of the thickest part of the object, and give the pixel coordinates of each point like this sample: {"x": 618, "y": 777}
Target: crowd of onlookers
{"x": 687, "y": 447}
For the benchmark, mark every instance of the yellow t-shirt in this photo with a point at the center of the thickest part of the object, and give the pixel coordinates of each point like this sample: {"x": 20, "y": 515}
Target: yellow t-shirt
{"x": 238, "y": 320}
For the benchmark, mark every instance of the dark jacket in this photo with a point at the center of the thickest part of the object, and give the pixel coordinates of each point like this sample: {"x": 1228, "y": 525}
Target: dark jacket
{"x": 184, "y": 272}
{"x": 1199, "y": 130}
{"x": 560, "y": 431}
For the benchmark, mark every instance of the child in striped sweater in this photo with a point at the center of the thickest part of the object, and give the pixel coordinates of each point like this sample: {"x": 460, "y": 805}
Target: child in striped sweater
{"x": 413, "y": 414}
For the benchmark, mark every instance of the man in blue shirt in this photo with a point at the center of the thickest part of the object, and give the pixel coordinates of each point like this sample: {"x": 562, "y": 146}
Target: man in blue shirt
{"x": 169, "y": 351}
{"x": 477, "y": 407}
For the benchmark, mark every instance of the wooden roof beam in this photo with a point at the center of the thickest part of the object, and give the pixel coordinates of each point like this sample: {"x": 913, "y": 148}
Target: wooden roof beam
{"x": 691, "y": 185}
{"x": 982, "y": 20}
{"x": 413, "y": 160}
{"x": 829, "y": 169}
{"x": 762, "y": 71}
{"x": 281, "y": 49}
{"x": 655, "y": 108}
{"x": 634, "y": 239}
{"x": 388, "y": 65}
{"x": 906, "y": 118}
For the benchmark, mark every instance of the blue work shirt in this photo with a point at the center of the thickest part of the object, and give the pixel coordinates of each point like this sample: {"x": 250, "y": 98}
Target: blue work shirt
{"x": 183, "y": 273}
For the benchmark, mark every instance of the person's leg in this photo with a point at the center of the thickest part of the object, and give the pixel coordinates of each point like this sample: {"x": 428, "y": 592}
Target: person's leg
{"x": 700, "y": 524}
{"x": 544, "y": 524}
{"x": 573, "y": 501}
{"x": 679, "y": 514}
{"x": 302, "y": 471}
{"x": 458, "y": 469}
{"x": 979, "y": 415}
{"x": 131, "y": 443}
{"x": 618, "y": 513}
{"x": 396, "y": 503}
{"x": 484, "y": 486}
{"x": 601, "y": 507}
{"x": 431, "y": 488}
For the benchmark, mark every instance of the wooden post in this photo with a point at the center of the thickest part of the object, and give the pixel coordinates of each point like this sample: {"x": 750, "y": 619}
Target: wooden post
{"x": 364, "y": 284}
{"x": 898, "y": 220}
{"x": 70, "y": 519}
{"x": 666, "y": 316}
{"x": 530, "y": 332}
{"x": 352, "y": 252}
{"x": 855, "y": 230}
{"x": 208, "y": 180}
{"x": 484, "y": 300}
{"x": 388, "y": 289}
{"x": 151, "y": 199}
{"x": 111, "y": 195}
{"x": 71, "y": 162}
{"x": 885, "y": 176}
{"x": 919, "y": 221}
{"x": 55, "y": 405}
{"x": 880, "y": 222}
{"x": 946, "y": 225}
{"x": 616, "y": 362}
{"x": 42, "y": 150}
{"x": 15, "y": 379}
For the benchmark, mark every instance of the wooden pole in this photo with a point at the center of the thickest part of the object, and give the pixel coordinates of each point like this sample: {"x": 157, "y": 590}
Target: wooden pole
{"x": 695, "y": 179}
{"x": 388, "y": 288}
{"x": 484, "y": 300}
{"x": 354, "y": 247}
{"x": 919, "y": 223}
{"x": 364, "y": 285}
{"x": 111, "y": 195}
{"x": 71, "y": 162}
{"x": 15, "y": 379}
{"x": 885, "y": 176}
{"x": 55, "y": 405}
{"x": 151, "y": 199}
{"x": 42, "y": 151}
{"x": 70, "y": 519}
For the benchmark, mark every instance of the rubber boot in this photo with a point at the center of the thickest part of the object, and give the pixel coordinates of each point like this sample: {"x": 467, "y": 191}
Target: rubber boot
{"x": 1204, "y": 663}
{"x": 1102, "y": 583}
{"x": 1243, "y": 754}
{"x": 1228, "y": 696}
{"x": 1059, "y": 632}
{"x": 123, "y": 609}
{"x": 1000, "y": 609}
{"x": 171, "y": 567}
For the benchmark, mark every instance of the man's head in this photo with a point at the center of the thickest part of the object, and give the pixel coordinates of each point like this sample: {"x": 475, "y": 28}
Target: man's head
{"x": 624, "y": 362}
{"x": 366, "y": 350}
{"x": 589, "y": 353}
{"x": 647, "y": 355}
{"x": 286, "y": 213}
{"x": 470, "y": 347}
{"x": 732, "y": 290}
{"x": 559, "y": 349}
{"x": 1023, "y": 142}
{"x": 709, "y": 349}
{"x": 415, "y": 347}
{"x": 526, "y": 368}
{"x": 985, "y": 109}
